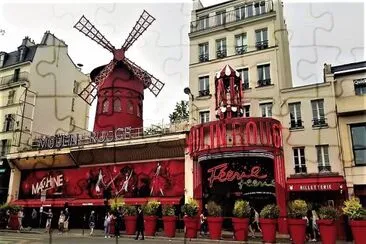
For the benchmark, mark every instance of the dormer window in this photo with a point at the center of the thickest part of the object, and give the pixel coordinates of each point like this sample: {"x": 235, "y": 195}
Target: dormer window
{"x": 2, "y": 59}
{"x": 21, "y": 54}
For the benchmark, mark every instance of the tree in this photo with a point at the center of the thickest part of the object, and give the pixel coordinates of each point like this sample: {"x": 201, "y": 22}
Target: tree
{"x": 180, "y": 112}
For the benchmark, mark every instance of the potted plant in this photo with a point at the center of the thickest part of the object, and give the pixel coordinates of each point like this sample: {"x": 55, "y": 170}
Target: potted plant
{"x": 190, "y": 210}
{"x": 9, "y": 216}
{"x": 169, "y": 220}
{"x": 353, "y": 209}
{"x": 150, "y": 209}
{"x": 268, "y": 222}
{"x": 130, "y": 218}
{"x": 241, "y": 212}
{"x": 297, "y": 210}
{"x": 327, "y": 224}
{"x": 214, "y": 220}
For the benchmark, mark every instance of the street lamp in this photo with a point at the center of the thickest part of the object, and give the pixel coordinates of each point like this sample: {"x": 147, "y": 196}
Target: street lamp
{"x": 188, "y": 92}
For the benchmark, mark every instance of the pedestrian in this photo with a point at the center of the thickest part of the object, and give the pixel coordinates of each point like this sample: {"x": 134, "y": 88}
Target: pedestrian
{"x": 140, "y": 224}
{"x": 203, "y": 220}
{"x": 315, "y": 218}
{"x": 34, "y": 218}
{"x": 49, "y": 220}
{"x": 118, "y": 221}
{"x": 92, "y": 222}
{"x": 67, "y": 218}
{"x": 254, "y": 222}
{"x": 106, "y": 225}
{"x": 61, "y": 222}
{"x": 20, "y": 219}
{"x": 112, "y": 221}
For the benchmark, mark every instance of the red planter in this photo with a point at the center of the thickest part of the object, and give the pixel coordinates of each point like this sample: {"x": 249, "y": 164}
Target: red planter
{"x": 150, "y": 225}
{"x": 268, "y": 227}
{"x": 191, "y": 224}
{"x": 130, "y": 223}
{"x": 297, "y": 228}
{"x": 13, "y": 222}
{"x": 358, "y": 231}
{"x": 215, "y": 227}
{"x": 240, "y": 226}
{"x": 169, "y": 225}
{"x": 328, "y": 230}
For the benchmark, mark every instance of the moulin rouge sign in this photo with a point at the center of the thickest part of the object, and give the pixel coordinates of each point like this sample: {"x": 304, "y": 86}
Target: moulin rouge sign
{"x": 235, "y": 132}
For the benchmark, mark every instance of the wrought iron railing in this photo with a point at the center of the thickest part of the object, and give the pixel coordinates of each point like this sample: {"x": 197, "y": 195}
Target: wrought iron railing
{"x": 203, "y": 57}
{"x": 320, "y": 122}
{"x": 256, "y": 9}
{"x": 241, "y": 49}
{"x": 203, "y": 93}
{"x": 261, "y": 44}
{"x": 221, "y": 53}
{"x": 296, "y": 124}
{"x": 300, "y": 169}
{"x": 324, "y": 168}
{"x": 265, "y": 82}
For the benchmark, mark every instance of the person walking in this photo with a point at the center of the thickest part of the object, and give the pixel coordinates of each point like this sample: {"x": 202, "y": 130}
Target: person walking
{"x": 92, "y": 222}
{"x": 61, "y": 222}
{"x": 106, "y": 225}
{"x": 34, "y": 218}
{"x": 49, "y": 220}
{"x": 140, "y": 224}
{"x": 118, "y": 221}
{"x": 254, "y": 222}
{"x": 20, "y": 219}
{"x": 203, "y": 220}
{"x": 67, "y": 218}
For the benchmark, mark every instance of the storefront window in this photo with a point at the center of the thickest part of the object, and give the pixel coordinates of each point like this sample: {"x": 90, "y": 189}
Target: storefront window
{"x": 359, "y": 143}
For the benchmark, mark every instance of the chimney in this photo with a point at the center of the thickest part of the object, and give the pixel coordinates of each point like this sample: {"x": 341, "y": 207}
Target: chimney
{"x": 27, "y": 42}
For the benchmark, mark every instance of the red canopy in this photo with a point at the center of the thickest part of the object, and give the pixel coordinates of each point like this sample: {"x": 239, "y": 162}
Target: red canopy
{"x": 332, "y": 183}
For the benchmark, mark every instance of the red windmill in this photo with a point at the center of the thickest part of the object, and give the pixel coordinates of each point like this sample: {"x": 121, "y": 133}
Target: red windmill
{"x": 118, "y": 86}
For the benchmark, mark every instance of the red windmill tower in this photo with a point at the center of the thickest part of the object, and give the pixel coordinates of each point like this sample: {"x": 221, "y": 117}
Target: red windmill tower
{"x": 118, "y": 86}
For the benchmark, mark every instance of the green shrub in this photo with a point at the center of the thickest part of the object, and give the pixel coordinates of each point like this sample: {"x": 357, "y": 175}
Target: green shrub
{"x": 116, "y": 203}
{"x": 14, "y": 209}
{"x": 353, "y": 209}
{"x": 151, "y": 207}
{"x": 241, "y": 209}
{"x": 270, "y": 211}
{"x": 129, "y": 210}
{"x": 168, "y": 210}
{"x": 214, "y": 209}
{"x": 328, "y": 212}
{"x": 190, "y": 208}
{"x": 297, "y": 209}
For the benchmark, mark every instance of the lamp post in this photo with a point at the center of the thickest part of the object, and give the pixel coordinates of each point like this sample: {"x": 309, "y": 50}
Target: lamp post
{"x": 188, "y": 92}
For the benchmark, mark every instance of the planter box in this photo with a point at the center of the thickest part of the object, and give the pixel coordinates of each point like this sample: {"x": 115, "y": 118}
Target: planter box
{"x": 328, "y": 230}
{"x": 150, "y": 225}
{"x": 191, "y": 224}
{"x": 268, "y": 230}
{"x": 358, "y": 228}
{"x": 169, "y": 225}
{"x": 215, "y": 227}
{"x": 240, "y": 226}
{"x": 130, "y": 223}
{"x": 297, "y": 228}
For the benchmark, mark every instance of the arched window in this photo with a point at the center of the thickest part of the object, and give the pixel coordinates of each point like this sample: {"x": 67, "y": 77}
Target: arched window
{"x": 129, "y": 107}
{"x": 117, "y": 105}
{"x": 105, "y": 106}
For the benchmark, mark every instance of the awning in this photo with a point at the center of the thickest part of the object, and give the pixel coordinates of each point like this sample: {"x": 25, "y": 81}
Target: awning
{"x": 332, "y": 183}
{"x": 87, "y": 202}
{"x": 60, "y": 203}
{"x": 162, "y": 200}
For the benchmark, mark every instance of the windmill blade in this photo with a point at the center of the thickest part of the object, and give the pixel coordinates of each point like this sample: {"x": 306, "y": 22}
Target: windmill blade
{"x": 140, "y": 27}
{"x": 150, "y": 82}
{"x": 89, "y": 93}
{"x": 86, "y": 27}
{"x": 102, "y": 76}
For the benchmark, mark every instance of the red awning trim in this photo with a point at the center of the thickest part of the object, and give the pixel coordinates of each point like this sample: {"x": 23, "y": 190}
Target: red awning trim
{"x": 334, "y": 183}
{"x": 39, "y": 203}
{"x": 87, "y": 202}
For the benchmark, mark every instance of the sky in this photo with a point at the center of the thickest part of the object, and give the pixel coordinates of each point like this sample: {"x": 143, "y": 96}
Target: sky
{"x": 319, "y": 32}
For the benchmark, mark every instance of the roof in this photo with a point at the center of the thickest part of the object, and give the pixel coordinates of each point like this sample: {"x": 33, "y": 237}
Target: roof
{"x": 214, "y": 5}
{"x": 12, "y": 58}
{"x": 349, "y": 68}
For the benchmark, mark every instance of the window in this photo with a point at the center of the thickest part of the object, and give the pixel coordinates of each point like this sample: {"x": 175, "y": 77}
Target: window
{"x": 261, "y": 38}
{"x": 241, "y": 43}
{"x": 117, "y": 105}
{"x": 129, "y": 107}
{"x": 204, "y": 117}
{"x": 240, "y": 13}
{"x": 73, "y": 104}
{"x": 299, "y": 159}
{"x": 11, "y": 97}
{"x": 323, "y": 158}
{"x": 220, "y": 18}
{"x": 16, "y": 75}
{"x": 295, "y": 115}
{"x": 2, "y": 59}
{"x": 105, "y": 106}
{"x": 204, "y": 86}
{"x": 9, "y": 122}
{"x": 203, "y": 52}
{"x": 203, "y": 22}
{"x": 266, "y": 109}
{"x": 358, "y": 133}
{"x": 221, "y": 48}
{"x": 244, "y": 75}
{"x": 249, "y": 10}
{"x": 260, "y": 7}
{"x": 360, "y": 86}
{"x": 246, "y": 111}
{"x": 264, "y": 77}
{"x": 318, "y": 113}
{"x": 76, "y": 87}
{"x": 21, "y": 54}
{"x": 5, "y": 146}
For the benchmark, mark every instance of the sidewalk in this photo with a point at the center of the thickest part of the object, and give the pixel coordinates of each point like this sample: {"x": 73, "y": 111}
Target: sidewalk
{"x": 226, "y": 236}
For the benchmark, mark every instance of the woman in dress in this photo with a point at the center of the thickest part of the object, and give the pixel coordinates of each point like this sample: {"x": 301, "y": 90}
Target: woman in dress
{"x": 100, "y": 181}
{"x": 158, "y": 181}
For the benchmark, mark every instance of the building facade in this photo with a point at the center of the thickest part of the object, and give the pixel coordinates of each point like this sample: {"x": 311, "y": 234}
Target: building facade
{"x": 38, "y": 83}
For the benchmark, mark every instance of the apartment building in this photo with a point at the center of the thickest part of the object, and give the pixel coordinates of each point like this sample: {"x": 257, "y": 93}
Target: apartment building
{"x": 38, "y": 90}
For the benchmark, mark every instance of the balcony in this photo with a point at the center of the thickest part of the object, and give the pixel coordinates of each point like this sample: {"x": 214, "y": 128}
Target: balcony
{"x": 11, "y": 80}
{"x": 265, "y": 82}
{"x": 203, "y": 57}
{"x": 324, "y": 168}
{"x": 261, "y": 45}
{"x": 218, "y": 20}
{"x": 296, "y": 124}
{"x": 221, "y": 53}
{"x": 246, "y": 85}
{"x": 241, "y": 49}
{"x": 203, "y": 93}
{"x": 319, "y": 122}
{"x": 300, "y": 169}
